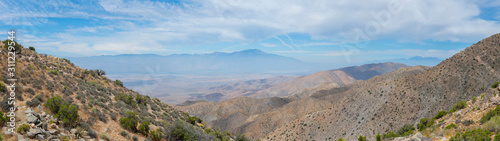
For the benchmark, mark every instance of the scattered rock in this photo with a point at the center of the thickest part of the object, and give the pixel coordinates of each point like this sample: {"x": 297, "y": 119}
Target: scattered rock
{"x": 34, "y": 132}
{"x": 73, "y": 131}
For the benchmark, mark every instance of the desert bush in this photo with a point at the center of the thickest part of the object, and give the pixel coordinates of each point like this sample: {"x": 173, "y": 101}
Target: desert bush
{"x": 467, "y": 122}
{"x": 17, "y": 47}
{"x": 144, "y": 128}
{"x": 486, "y": 117}
{"x": 127, "y": 99}
{"x": 118, "y": 83}
{"x": 101, "y": 116}
{"x": 54, "y": 103}
{"x": 459, "y": 105}
{"x": 104, "y": 137}
{"x": 156, "y": 135}
{"x": 23, "y": 129}
{"x": 183, "y": 131}
{"x": 439, "y": 115}
{"x": 495, "y": 85}
{"x": 54, "y": 72}
{"x": 405, "y": 130}
{"x": 129, "y": 122}
{"x": 241, "y": 138}
{"x": 141, "y": 99}
{"x": 3, "y": 88}
{"x": 341, "y": 139}
{"x": 3, "y": 119}
{"x": 193, "y": 120}
{"x": 496, "y": 138}
{"x": 68, "y": 113}
{"x": 134, "y": 138}
{"x": 32, "y": 48}
{"x": 378, "y": 137}
{"x": 35, "y": 101}
{"x": 30, "y": 91}
{"x": 473, "y": 135}
{"x": 362, "y": 138}
{"x": 112, "y": 115}
{"x": 92, "y": 134}
{"x": 492, "y": 125}
{"x": 124, "y": 134}
{"x": 451, "y": 126}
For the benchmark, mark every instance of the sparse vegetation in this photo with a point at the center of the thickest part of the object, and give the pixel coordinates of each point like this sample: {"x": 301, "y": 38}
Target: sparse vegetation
{"x": 495, "y": 85}
{"x": 459, "y": 105}
{"x": 473, "y": 135}
{"x": 144, "y": 128}
{"x": 492, "y": 125}
{"x": 193, "y": 120}
{"x": 22, "y": 129}
{"x": 156, "y": 135}
{"x": 486, "y": 117}
{"x": 362, "y": 138}
{"x": 118, "y": 82}
{"x": 451, "y": 126}
{"x": 439, "y": 115}
{"x": 129, "y": 122}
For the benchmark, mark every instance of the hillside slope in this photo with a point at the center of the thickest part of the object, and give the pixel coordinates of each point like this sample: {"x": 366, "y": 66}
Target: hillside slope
{"x": 379, "y": 107}
{"x": 62, "y": 101}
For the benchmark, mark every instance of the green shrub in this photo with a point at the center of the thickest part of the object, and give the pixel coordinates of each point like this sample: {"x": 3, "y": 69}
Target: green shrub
{"x": 68, "y": 113}
{"x": 134, "y": 138}
{"x": 54, "y": 103}
{"x": 439, "y": 115}
{"x": 129, "y": 122}
{"x": 1, "y": 137}
{"x": 32, "y": 48}
{"x": 183, "y": 131}
{"x": 362, "y": 138}
{"x": 118, "y": 82}
{"x": 23, "y": 129}
{"x": 241, "y": 138}
{"x": 65, "y": 138}
{"x": 389, "y": 134}
{"x": 193, "y": 120}
{"x": 473, "y": 99}
{"x": 104, "y": 137}
{"x": 144, "y": 128}
{"x": 495, "y": 85}
{"x": 127, "y": 99}
{"x": 424, "y": 123}
{"x": 124, "y": 133}
{"x": 3, "y": 119}
{"x": 486, "y": 117}
{"x": 141, "y": 99}
{"x": 496, "y": 138}
{"x": 492, "y": 125}
{"x": 473, "y": 135}
{"x": 341, "y": 139}
{"x": 54, "y": 72}
{"x": 14, "y": 44}
{"x": 459, "y": 105}
{"x": 2, "y": 87}
{"x": 378, "y": 137}
{"x": 156, "y": 135}
{"x": 451, "y": 126}
{"x": 405, "y": 130}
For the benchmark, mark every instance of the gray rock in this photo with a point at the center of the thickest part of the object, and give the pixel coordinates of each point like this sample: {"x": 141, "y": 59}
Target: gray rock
{"x": 28, "y": 111}
{"x": 40, "y": 137}
{"x": 73, "y": 131}
{"x": 31, "y": 118}
{"x": 33, "y": 132}
{"x": 80, "y": 140}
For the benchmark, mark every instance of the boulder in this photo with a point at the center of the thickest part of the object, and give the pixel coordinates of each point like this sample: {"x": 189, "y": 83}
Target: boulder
{"x": 28, "y": 111}
{"x": 33, "y": 132}
{"x": 31, "y": 118}
{"x": 73, "y": 131}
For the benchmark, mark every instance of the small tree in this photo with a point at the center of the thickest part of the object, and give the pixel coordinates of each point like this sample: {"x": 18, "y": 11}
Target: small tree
{"x": 129, "y": 122}
{"x": 362, "y": 138}
{"x": 156, "y": 135}
{"x": 144, "y": 128}
{"x": 68, "y": 113}
{"x": 32, "y": 48}
{"x": 495, "y": 85}
{"x": 54, "y": 103}
{"x": 118, "y": 82}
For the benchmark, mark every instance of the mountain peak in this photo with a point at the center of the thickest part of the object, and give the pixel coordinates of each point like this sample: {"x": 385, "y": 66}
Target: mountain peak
{"x": 251, "y": 52}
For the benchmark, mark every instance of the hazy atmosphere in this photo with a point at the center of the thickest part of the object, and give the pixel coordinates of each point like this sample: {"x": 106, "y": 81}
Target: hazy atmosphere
{"x": 240, "y": 70}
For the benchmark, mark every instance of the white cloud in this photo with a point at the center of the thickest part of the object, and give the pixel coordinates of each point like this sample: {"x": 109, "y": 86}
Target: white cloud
{"x": 160, "y": 25}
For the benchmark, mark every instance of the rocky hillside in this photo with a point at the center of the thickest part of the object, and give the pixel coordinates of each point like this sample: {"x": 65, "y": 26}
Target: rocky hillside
{"x": 283, "y": 86}
{"x": 57, "y": 100}
{"x": 378, "y": 105}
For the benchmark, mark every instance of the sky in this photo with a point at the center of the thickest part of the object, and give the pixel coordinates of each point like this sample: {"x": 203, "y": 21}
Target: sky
{"x": 318, "y": 31}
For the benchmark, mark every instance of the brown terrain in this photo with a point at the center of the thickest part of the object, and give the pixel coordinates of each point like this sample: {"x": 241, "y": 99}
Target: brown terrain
{"x": 42, "y": 76}
{"x": 377, "y": 105}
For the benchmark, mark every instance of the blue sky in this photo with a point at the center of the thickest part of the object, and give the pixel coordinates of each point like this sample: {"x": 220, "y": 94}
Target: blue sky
{"x": 321, "y": 31}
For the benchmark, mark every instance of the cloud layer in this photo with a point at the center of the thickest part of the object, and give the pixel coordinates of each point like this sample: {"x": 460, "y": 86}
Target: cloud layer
{"x": 128, "y": 26}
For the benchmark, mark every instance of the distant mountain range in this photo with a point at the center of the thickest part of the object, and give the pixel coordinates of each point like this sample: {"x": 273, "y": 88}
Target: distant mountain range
{"x": 413, "y": 61}
{"x": 246, "y": 61}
